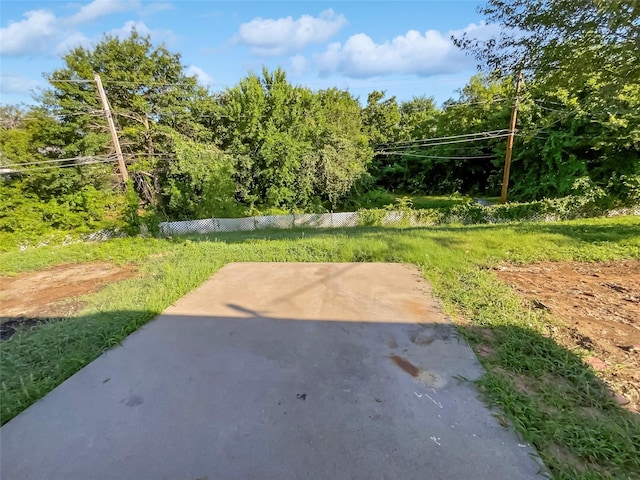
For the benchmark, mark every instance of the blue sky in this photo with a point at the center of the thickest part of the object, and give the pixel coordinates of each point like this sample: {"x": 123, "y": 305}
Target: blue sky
{"x": 401, "y": 47}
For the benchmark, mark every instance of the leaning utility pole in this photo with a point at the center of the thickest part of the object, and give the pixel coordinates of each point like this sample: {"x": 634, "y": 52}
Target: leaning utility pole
{"x": 512, "y": 133}
{"x": 112, "y": 128}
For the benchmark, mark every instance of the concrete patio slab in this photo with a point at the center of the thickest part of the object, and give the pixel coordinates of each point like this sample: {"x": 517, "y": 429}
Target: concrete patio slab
{"x": 276, "y": 371}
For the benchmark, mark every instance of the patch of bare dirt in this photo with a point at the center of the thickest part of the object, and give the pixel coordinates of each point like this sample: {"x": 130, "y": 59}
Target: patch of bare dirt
{"x": 600, "y": 306}
{"x": 32, "y": 297}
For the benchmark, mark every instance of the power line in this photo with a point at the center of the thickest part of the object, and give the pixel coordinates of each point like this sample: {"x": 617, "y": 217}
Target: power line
{"x": 476, "y": 157}
{"x": 435, "y": 144}
{"x": 57, "y": 160}
{"x": 447, "y": 138}
{"x": 122, "y": 82}
{"x": 56, "y": 167}
{"x": 479, "y": 102}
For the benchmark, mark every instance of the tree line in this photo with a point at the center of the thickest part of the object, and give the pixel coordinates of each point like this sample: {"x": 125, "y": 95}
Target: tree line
{"x": 267, "y": 145}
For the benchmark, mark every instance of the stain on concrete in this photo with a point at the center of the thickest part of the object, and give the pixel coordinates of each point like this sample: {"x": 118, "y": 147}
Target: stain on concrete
{"x": 133, "y": 400}
{"x": 429, "y": 334}
{"x": 405, "y": 365}
{"x": 416, "y": 308}
{"x": 392, "y": 342}
{"x": 432, "y": 379}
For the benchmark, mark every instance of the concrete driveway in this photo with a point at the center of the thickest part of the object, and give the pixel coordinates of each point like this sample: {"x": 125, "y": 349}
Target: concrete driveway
{"x": 276, "y": 371}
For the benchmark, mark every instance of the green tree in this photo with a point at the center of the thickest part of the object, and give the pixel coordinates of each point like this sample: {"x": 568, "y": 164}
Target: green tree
{"x": 199, "y": 182}
{"x": 39, "y": 193}
{"x": 292, "y": 148}
{"x": 418, "y": 118}
{"x": 567, "y": 42}
{"x": 150, "y": 94}
{"x": 146, "y": 86}
{"x": 422, "y": 162}
{"x": 582, "y": 61}
{"x": 387, "y": 122}
{"x": 381, "y": 118}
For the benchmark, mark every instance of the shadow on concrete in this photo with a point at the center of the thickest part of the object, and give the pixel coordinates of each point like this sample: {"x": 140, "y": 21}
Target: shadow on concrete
{"x": 252, "y": 395}
{"x": 256, "y": 396}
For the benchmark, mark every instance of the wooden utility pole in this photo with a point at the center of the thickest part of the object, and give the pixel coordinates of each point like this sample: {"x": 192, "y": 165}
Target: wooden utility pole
{"x": 512, "y": 133}
{"x": 112, "y": 128}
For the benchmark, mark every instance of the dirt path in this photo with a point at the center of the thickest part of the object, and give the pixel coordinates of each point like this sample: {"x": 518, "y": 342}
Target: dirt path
{"x": 32, "y": 297}
{"x": 600, "y": 305}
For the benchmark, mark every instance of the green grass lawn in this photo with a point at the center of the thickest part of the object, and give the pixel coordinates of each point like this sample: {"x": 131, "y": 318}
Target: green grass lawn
{"x": 565, "y": 411}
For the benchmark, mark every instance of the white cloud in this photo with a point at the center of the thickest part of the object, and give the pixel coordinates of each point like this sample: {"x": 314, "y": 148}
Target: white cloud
{"x": 431, "y": 53}
{"x": 13, "y": 82}
{"x": 41, "y": 32}
{"x": 203, "y": 77}
{"x": 267, "y": 36}
{"x": 76, "y": 39}
{"x": 31, "y": 35}
{"x": 482, "y": 31}
{"x": 166, "y": 36}
{"x": 101, "y": 8}
{"x": 154, "y": 7}
{"x": 126, "y": 29}
{"x": 299, "y": 65}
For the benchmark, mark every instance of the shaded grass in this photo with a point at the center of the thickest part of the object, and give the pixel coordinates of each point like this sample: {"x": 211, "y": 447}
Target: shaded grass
{"x": 550, "y": 395}
{"x": 438, "y": 201}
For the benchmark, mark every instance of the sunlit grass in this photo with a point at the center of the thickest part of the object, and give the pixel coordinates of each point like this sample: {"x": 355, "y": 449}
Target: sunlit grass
{"x": 548, "y": 393}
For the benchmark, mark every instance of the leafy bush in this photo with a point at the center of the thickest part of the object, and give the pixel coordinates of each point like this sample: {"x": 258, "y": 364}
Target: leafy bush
{"x": 625, "y": 189}
{"x": 374, "y": 217}
{"x": 376, "y": 198}
{"x": 27, "y": 219}
{"x": 588, "y": 200}
{"x": 200, "y": 182}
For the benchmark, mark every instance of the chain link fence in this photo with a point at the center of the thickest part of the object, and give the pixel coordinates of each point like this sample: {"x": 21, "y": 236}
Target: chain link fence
{"x": 305, "y": 220}
{"x": 216, "y": 225}
{"x": 373, "y": 218}
{"x": 378, "y": 218}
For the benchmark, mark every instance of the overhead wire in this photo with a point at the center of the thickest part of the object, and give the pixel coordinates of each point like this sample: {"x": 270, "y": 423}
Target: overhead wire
{"x": 452, "y": 142}
{"x": 474, "y": 157}
{"x": 56, "y": 160}
{"x": 57, "y": 167}
{"x": 391, "y": 148}
{"x": 447, "y": 137}
{"x": 479, "y": 102}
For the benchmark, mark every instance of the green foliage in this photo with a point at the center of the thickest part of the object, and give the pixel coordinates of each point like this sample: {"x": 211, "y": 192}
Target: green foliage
{"x": 146, "y": 86}
{"x": 131, "y": 217}
{"x": 291, "y": 148}
{"x": 374, "y": 217}
{"x": 625, "y": 189}
{"x": 200, "y": 182}
{"x": 569, "y": 43}
{"x": 582, "y": 65}
{"x": 375, "y": 198}
{"x": 381, "y": 118}
{"x": 27, "y": 219}
{"x": 587, "y": 200}
{"x": 444, "y": 166}
{"x": 38, "y": 199}
{"x": 266, "y": 145}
